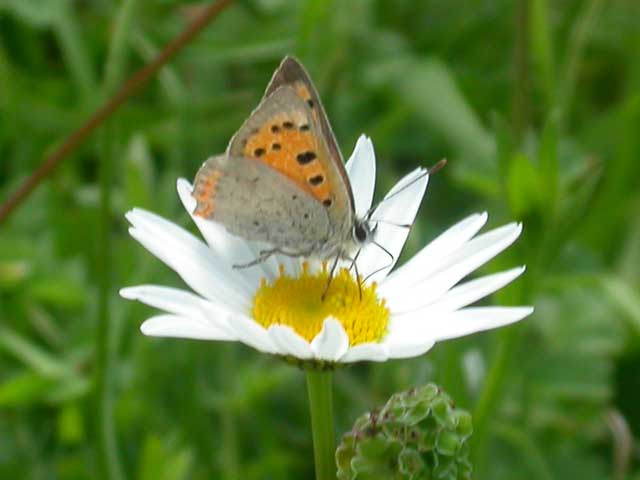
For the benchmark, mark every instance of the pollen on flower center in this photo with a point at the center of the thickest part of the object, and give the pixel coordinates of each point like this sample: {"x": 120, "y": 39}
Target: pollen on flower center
{"x": 297, "y": 302}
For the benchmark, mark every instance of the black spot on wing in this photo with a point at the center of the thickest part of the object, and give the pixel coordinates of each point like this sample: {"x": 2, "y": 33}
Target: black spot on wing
{"x": 305, "y": 158}
{"x": 316, "y": 180}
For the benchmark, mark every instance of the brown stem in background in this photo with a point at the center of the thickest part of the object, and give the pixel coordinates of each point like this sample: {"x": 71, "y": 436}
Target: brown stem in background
{"x": 622, "y": 444}
{"x": 130, "y": 87}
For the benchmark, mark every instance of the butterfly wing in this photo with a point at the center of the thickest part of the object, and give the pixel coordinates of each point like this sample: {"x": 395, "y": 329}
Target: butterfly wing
{"x": 289, "y": 132}
{"x": 293, "y": 74}
{"x": 254, "y": 201}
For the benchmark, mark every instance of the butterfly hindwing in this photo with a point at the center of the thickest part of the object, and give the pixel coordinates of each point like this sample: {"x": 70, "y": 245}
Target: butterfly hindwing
{"x": 253, "y": 200}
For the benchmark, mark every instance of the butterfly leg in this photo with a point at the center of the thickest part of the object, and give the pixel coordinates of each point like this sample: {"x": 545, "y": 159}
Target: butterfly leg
{"x": 354, "y": 265}
{"x": 331, "y": 273}
{"x": 265, "y": 254}
{"x": 263, "y": 257}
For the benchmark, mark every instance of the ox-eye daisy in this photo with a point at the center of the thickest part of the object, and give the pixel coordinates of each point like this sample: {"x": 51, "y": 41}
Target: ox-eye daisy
{"x": 277, "y": 306}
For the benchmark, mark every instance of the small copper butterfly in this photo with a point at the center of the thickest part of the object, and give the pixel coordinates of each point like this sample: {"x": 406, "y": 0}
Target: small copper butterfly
{"x": 282, "y": 179}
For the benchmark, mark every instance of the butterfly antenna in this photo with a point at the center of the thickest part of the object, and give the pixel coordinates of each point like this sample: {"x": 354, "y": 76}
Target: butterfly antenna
{"x": 384, "y": 250}
{"x": 425, "y": 172}
{"x": 437, "y": 167}
{"x": 395, "y": 224}
{"x": 376, "y": 271}
{"x": 391, "y": 257}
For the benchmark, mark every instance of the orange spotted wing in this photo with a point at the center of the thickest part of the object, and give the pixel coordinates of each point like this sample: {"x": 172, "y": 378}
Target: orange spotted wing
{"x": 289, "y": 132}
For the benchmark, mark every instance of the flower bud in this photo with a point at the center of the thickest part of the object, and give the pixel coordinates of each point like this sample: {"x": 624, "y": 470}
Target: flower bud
{"x": 418, "y": 434}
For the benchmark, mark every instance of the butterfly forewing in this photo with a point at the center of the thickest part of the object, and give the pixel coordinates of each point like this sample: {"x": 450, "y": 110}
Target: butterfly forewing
{"x": 292, "y": 73}
{"x": 284, "y": 133}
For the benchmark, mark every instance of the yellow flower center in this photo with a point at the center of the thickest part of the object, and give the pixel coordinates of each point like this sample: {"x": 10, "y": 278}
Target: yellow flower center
{"x": 299, "y": 304}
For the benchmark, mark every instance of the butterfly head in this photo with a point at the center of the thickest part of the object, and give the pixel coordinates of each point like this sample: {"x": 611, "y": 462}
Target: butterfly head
{"x": 363, "y": 231}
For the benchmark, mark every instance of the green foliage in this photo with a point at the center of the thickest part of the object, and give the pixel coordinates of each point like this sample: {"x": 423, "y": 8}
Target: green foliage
{"x": 552, "y": 142}
{"x": 418, "y": 434}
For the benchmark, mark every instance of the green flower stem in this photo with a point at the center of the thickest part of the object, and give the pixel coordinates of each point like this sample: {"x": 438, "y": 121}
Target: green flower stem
{"x": 319, "y": 385}
{"x": 490, "y": 395}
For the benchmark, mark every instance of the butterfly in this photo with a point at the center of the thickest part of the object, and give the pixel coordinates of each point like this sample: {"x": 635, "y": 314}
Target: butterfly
{"x": 282, "y": 178}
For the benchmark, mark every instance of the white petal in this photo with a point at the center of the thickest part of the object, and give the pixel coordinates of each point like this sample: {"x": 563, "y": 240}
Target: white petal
{"x": 332, "y": 342}
{"x": 431, "y": 325}
{"x": 183, "y": 304}
{"x": 361, "y": 169}
{"x": 218, "y": 315}
{"x": 193, "y": 269}
{"x": 253, "y": 334}
{"x": 464, "y": 294}
{"x": 485, "y": 246}
{"x": 453, "y": 269}
{"x": 189, "y": 257}
{"x": 229, "y": 248}
{"x": 477, "y": 319}
{"x": 474, "y": 290}
{"x": 409, "y": 350}
{"x": 375, "y": 352}
{"x": 172, "y": 300}
{"x": 181, "y": 327}
{"x": 432, "y": 255}
{"x": 401, "y": 205}
{"x": 288, "y": 342}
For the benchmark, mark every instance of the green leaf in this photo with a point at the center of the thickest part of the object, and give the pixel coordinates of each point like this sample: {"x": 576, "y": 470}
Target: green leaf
{"x": 523, "y": 186}
{"x": 542, "y": 50}
{"x": 71, "y": 429}
{"x": 159, "y": 462}
{"x": 625, "y": 297}
{"x": 548, "y": 168}
{"x": 139, "y": 178}
{"x": 58, "y": 292}
{"x": 38, "y": 13}
{"x": 25, "y": 389}
{"x": 31, "y": 354}
{"x": 13, "y": 273}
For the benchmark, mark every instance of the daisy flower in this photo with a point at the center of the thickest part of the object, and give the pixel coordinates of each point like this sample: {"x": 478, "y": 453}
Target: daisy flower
{"x": 276, "y": 306}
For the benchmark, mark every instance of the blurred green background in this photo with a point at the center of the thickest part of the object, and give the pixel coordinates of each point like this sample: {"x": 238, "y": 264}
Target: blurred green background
{"x": 536, "y": 104}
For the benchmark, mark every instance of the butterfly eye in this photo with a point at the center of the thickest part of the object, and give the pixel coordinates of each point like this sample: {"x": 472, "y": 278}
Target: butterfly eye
{"x": 361, "y": 233}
